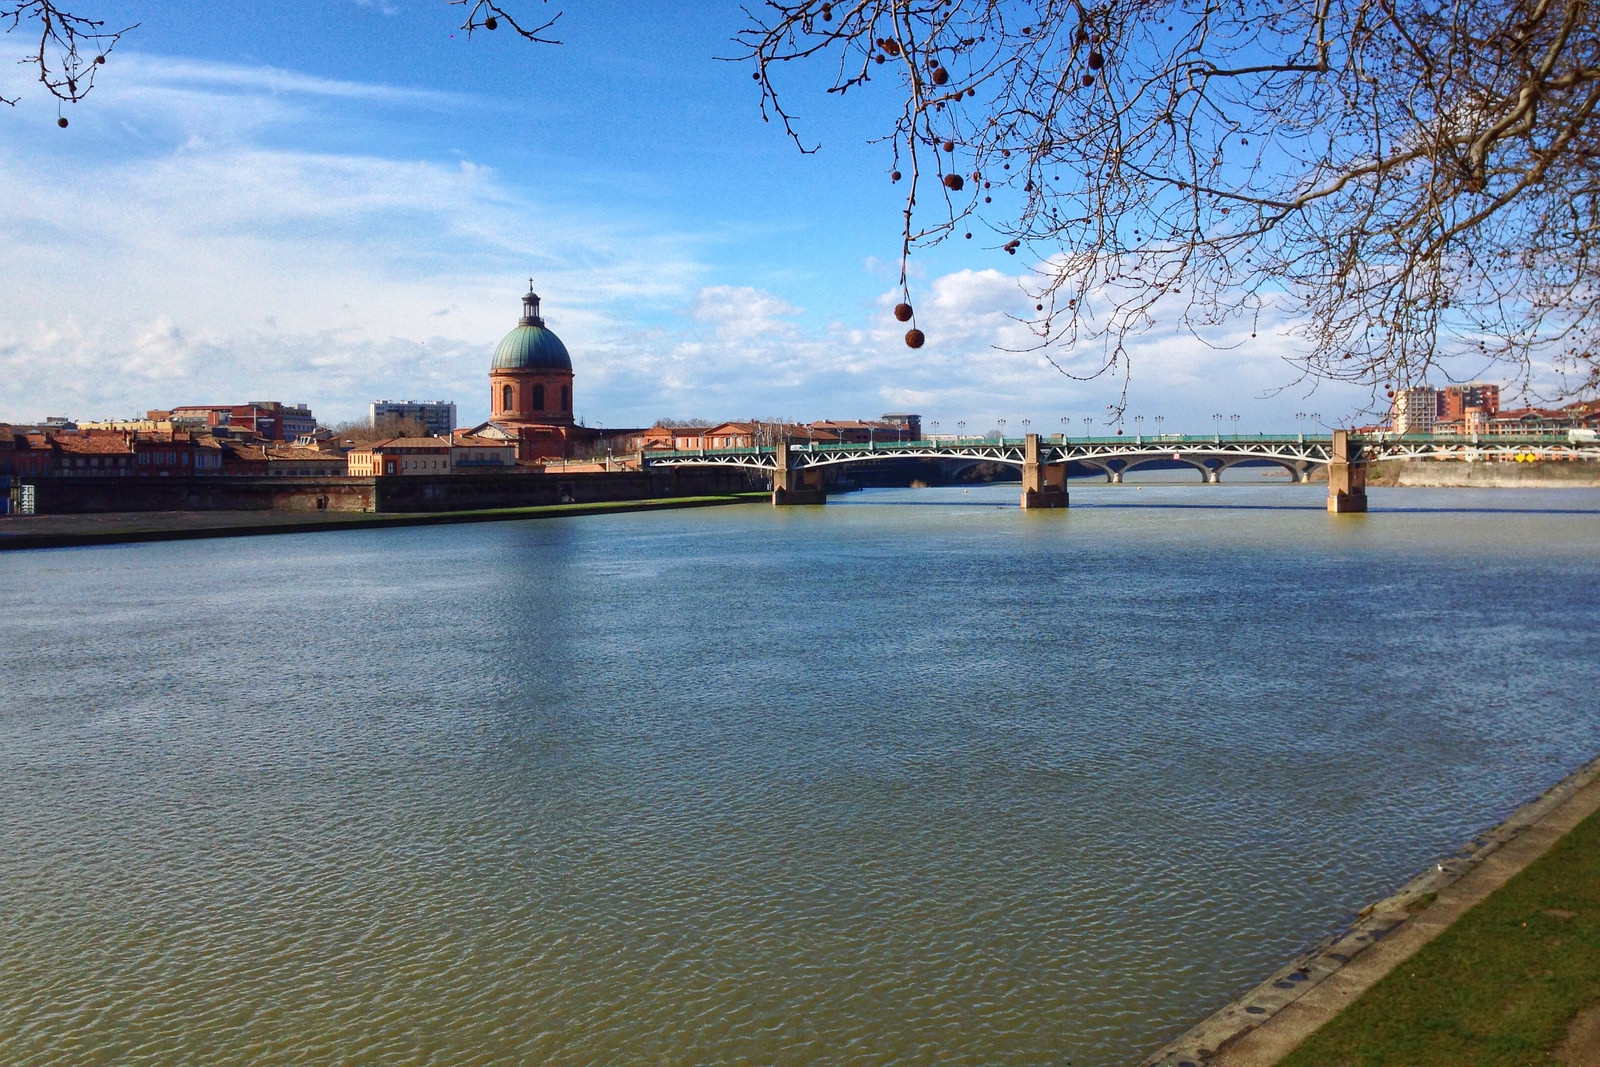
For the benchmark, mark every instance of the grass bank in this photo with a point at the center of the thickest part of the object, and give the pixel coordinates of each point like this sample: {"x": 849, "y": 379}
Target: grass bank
{"x": 66, "y": 531}
{"x": 1498, "y": 988}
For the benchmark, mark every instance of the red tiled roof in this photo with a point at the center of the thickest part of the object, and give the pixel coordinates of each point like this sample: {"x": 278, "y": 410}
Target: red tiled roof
{"x": 95, "y": 444}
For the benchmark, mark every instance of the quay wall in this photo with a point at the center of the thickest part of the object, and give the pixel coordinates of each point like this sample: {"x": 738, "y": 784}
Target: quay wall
{"x": 395, "y": 494}
{"x": 1455, "y": 473}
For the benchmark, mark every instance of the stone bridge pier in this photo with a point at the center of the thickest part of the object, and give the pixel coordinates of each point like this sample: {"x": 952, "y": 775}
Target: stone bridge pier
{"x": 1347, "y": 477}
{"x": 790, "y": 486}
{"x": 1044, "y": 485}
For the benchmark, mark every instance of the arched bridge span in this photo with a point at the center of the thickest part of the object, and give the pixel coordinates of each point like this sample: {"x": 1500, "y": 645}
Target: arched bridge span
{"x": 799, "y": 470}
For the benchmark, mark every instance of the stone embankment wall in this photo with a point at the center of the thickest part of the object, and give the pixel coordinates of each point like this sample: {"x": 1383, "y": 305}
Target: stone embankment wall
{"x": 1452, "y": 473}
{"x": 455, "y": 492}
{"x": 83, "y": 496}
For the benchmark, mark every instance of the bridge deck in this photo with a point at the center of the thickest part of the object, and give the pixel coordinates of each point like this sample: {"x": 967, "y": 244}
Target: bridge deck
{"x": 1206, "y": 451}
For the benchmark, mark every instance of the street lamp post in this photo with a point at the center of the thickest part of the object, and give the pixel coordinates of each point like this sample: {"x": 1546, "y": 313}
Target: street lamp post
{"x": 1159, "y": 420}
{"x": 1063, "y": 429}
{"x": 1216, "y": 421}
{"x": 1002, "y": 424}
{"x": 1235, "y": 420}
{"x": 1138, "y": 427}
{"x": 1088, "y": 423}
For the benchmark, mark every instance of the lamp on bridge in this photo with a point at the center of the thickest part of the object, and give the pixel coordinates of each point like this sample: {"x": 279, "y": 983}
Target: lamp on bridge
{"x": 1063, "y": 429}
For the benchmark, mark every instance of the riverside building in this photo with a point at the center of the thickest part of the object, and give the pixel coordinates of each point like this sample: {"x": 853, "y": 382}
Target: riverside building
{"x": 438, "y": 417}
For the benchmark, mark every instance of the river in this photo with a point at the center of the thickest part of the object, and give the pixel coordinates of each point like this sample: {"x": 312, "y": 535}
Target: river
{"x": 915, "y": 777}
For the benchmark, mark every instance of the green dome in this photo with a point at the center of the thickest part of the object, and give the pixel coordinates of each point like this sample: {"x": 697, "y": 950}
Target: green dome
{"x": 530, "y": 346}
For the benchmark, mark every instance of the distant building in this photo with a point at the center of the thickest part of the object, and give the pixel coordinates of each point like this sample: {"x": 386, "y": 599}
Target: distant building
{"x": 269, "y": 420}
{"x": 912, "y": 424}
{"x": 1469, "y": 408}
{"x": 293, "y": 461}
{"x": 1416, "y": 409}
{"x": 438, "y": 417}
{"x": 469, "y": 454}
{"x": 400, "y": 456}
{"x": 1456, "y": 400}
{"x": 856, "y": 432}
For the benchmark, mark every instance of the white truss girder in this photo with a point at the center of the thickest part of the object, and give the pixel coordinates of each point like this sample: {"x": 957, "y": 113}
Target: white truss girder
{"x": 1214, "y": 453}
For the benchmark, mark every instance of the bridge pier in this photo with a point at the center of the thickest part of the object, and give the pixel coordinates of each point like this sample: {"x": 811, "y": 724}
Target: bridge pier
{"x": 1347, "y": 478}
{"x": 1044, "y": 485}
{"x": 791, "y": 486}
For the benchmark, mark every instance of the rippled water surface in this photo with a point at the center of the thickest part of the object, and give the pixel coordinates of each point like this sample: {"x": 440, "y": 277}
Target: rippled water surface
{"x": 911, "y": 778}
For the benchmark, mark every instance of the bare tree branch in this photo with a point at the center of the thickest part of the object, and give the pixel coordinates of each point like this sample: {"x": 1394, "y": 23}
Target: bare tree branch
{"x": 1407, "y": 180}
{"x": 71, "y": 48}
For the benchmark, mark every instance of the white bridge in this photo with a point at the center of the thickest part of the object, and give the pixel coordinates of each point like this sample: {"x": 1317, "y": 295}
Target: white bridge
{"x": 1209, "y": 455}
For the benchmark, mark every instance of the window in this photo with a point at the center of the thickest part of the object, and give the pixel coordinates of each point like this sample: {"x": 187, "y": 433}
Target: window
{"x": 505, "y": 398}
{"x": 566, "y": 398}
{"x": 538, "y": 398}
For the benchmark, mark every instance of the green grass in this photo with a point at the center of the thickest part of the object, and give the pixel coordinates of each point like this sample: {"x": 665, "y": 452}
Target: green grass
{"x": 1498, "y": 987}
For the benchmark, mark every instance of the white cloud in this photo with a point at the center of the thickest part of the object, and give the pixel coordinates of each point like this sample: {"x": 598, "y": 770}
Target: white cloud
{"x": 199, "y": 260}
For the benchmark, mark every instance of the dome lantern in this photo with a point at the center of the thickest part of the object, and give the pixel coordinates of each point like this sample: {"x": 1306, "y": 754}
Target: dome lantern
{"x": 531, "y": 346}
{"x": 530, "y": 308}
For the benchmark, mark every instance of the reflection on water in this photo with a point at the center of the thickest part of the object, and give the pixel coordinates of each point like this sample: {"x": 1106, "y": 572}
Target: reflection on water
{"x": 864, "y": 783}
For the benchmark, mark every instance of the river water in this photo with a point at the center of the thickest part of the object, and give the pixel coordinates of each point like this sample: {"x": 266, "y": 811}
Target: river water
{"x": 912, "y": 778}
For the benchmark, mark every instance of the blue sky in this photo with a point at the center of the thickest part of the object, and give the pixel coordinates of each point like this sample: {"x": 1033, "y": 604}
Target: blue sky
{"x": 331, "y": 203}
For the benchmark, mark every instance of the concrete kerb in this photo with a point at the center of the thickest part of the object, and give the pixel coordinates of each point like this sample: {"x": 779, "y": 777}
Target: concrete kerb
{"x": 1271, "y": 1020}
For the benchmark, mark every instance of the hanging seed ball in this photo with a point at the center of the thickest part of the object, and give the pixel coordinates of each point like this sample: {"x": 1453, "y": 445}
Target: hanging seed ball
{"x": 969, "y": 236}
{"x": 953, "y": 182}
{"x": 827, "y": 13}
{"x": 894, "y": 176}
{"x": 491, "y": 23}
{"x": 755, "y": 75}
{"x": 100, "y": 59}
{"x": 1088, "y": 80}
{"x": 949, "y": 146}
{"x": 878, "y": 59}
{"x": 1119, "y": 433}
{"x": 1038, "y": 307}
{"x": 988, "y": 200}
{"x": 915, "y": 339}
{"x": 1096, "y": 60}
{"x": 902, "y": 311}
{"x": 940, "y": 75}
{"x": 978, "y": 177}
{"x": 62, "y": 122}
